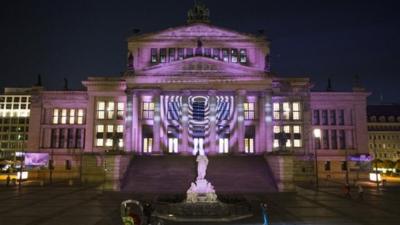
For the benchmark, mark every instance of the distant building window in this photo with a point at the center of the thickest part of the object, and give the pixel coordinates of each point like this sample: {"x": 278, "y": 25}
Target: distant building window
{"x": 249, "y": 110}
{"x": 63, "y": 116}
{"x": 81, "y": 115}
{"x": 225, "y": 55}
{"x": 342, "y": 139}
{"x": 333, "y": 139}
{"x": 101, "y": 109}
{"x": 110, "y": 135}
{"x": 100, "y": 135}
{"x": 286, "y": 111}
{"x": 216, "y": 54}
{"x": 147, "y": 145}
{"x": 344, "y": 165}
{"x": 324, "y": 117}
{"x": 325, "y": 139}
{"x": 243, "y": 56}
{"x": 163, "y": 55}
{"x": 297, "y": 136}
{"x": 55, "y": 116}
{"x": 234, "y": 55}
{"x": 72, "y": 116}
{"x": 148, "y": 110}
{"x": 276, "y": 109}
{"x": 181, "y": 53}
{"x": 332, "y": 117}
{"x": 341, "y": 117}
{"x": 154, "y": 57}
{"x": 110, "y": 110}
{"x": 171, "y": 54}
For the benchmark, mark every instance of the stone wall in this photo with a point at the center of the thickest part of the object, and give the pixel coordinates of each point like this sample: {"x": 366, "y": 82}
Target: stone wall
{"x": 281, "y": 167}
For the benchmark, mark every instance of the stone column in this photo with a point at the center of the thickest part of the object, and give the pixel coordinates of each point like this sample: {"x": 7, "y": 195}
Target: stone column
{"x": 156, "y": 122}
{"x": 128, "y": 137}
{"x": 212, "y": 138}
{"x": 240, "y": 98}
{"x": 184, "y": 144}
{"x": 269, "y": 132}
{"x": 136, "y": 129}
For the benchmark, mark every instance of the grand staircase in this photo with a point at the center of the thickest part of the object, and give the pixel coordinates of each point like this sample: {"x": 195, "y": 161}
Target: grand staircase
{"x": 173, "y": 174}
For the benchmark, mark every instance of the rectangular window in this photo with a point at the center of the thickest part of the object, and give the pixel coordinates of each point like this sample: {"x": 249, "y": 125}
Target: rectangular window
{"x": 344, "y": 165}
{"x": 70, "y": 138}
{"x": 249, "y": 145}
{"x": 171, "y": 54}
{"x": 80, "y": 116}
{"x": 189, "y": 52}
{"x": 297, "y": 136}
{"x": 325, "y": 139}
{"x": 277, "y": 112}
{"x": 277, "y": 131}
{"x": 148, "y": 110}
{"x": 324, "y": 117}
{"x": 234, "y": 55}
{"x": 101, "y": 107}
{"x": 225, "y": 55}
{"x": 342, "y": 139}
{"x": 198, "y": 111}
{"x": 120, "y": 110}
{"x": 100, "y": 135}
{"x": 181, "y": 54}
{"x": 64, "y": 116}
{"x": 223, "y": 145}
{"x": 316, "y": 117}
{"x": 296, "y": 110}
{"x": 53, "y": 141}
{"x": 243, "y": 56}
{"x": 333, "y": 139}
{"x": 79, "y": 138}
{"x": 173, "y": 111}
{"x": 249, "y": 110}
{"x": 61, "y": 143}
{"x": 154, "y": 57}
{"x": 55, "y": 116}
{"x": 163, "y": 55}
{"x": 110, "y": 110}
{"x": 216, "y": 54}
{"x": 341, "y": 117}
{"x": 327, "y": 166}
{"x": 72, "y": 116}
{"x": 110, "y": 136}
{"x": 286, "y": 111}
{"x": 207, "y": 52}
{"x": 332, "y": 117}
{"x": 147, "y": 145}
{"x": 68, "y": 165}
{"x": 173, "y": 145}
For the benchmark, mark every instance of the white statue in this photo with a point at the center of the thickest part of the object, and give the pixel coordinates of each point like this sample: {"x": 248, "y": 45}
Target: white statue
{"x": 202, "y": 163}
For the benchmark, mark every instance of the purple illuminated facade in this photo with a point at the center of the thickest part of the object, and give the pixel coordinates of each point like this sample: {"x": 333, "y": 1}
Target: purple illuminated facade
{"x": 199, "y": 87}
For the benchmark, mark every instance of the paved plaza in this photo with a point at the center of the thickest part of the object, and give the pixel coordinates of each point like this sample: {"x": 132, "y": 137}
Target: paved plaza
{"x": 88, "y": 205}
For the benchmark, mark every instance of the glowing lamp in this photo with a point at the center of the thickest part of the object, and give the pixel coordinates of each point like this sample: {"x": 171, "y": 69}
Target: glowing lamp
{"x": 373, "y": 176}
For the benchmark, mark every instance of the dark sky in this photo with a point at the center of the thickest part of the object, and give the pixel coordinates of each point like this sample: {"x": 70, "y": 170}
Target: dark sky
{"x": 319, "y": 39}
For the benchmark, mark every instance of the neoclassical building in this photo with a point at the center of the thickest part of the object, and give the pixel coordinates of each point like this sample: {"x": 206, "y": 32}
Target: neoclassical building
{"x": 200, "y": 88}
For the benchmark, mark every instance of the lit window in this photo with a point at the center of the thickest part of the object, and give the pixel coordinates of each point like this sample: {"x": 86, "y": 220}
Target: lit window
{"x": 71, "y": 116}
{"x": 286, "y": 110}
{"x": 277, "y": 129}
{"x": 55, "y": 116}
{"x": 101, "y": 106}
{"x": 249, "y": 111}
{"x": 296, "y": 143}
{"x": 163, "y": 55}
{"x": 296, "y": 110}
{"x": 120, "y": 110}
{"x": 80, "y": 116}
{"x": 147, "y": 145}
{"x": 223, "y": 145}
{"x": 276, "y": 109}
{"x": 148, "y": 110}
{"x": 99, "y": 135}
{"x": 109, "y": 135}
{"x": 120, "y": 128}
{"x": 276, "y": 143}
{"x": 243, "y": 56}
{"x": 110, "y": 110}
{"x": 225, "y": 55}
{"x": 153, "y": 55}
{"x": 173, "y": 145}
{"x": 234, "y": 55}
{"x": 286, "y": 129}
{"x": 297, "y": 136}
{"x": 249, "y": 145}
{"x": 64, "y": 116}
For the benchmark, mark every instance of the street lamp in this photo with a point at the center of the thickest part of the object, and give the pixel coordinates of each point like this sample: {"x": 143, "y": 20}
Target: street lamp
{"x": 317, "y": 135}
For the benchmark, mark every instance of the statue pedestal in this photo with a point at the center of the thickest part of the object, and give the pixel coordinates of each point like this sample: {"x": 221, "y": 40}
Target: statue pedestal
{"x": 201, "y": 191}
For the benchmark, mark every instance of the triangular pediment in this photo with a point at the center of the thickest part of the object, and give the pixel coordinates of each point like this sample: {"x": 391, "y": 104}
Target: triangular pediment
{"x": 200, "y": 66}
{"x": 198, "y": 30}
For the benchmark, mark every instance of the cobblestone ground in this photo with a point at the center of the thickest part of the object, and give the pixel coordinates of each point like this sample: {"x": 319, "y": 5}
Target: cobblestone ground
{"x": 89, "y": 205}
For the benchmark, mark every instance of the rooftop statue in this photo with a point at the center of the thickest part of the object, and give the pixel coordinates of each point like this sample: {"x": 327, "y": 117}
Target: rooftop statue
{"x": 198, "y": 14}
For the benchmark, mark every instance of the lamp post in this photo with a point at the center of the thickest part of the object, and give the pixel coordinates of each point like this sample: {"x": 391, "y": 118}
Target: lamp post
{"x": 317, "y": 136}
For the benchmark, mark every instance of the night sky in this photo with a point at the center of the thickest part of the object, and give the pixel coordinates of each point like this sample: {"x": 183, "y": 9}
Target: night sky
{"x": 317, "y": 39}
